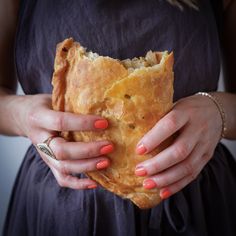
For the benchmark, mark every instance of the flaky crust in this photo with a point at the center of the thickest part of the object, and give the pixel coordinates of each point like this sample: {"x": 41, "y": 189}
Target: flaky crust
{"x": 132, "y": 101}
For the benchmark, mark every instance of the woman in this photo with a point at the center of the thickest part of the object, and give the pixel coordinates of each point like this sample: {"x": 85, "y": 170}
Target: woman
{"x": 196, "y": 174}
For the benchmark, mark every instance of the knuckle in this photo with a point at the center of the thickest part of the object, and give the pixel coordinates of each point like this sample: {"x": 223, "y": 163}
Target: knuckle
{"x": 90, "y": 151}
{"x": 207, "y": 143}
{"x": 154, "y": 166}
{"x": 61, "y": 182}
{"x": 210, "y": 155}
{"x": 206, "y": 157}
{"x": 59, "y": 122}
{"x": 59, "y": 152}
{"x": 193, "y": 176}
{"x": 32, "y": 118}
{"x": 67, "y": 179}
{"x": 160, "y": 181}
{"x": 82, "y": 185}
{"x": 171, "y": 121}
{"x": 177, "y": 187}
{"x": 91, "y": 165}
{"x": 181, "y": 151}
{"x": 33, "y": 137}
{"x": 189, "y": 168}
{"x": 62, "y": 168}
{"x": 205, "y": 127}
{"x": 84, "y": 122}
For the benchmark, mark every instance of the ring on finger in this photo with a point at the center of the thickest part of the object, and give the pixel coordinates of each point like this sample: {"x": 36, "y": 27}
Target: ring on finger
{"x": 45, "y": 148}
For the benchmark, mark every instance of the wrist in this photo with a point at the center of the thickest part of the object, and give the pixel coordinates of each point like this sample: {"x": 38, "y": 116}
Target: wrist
{"x": 13, "y": 108}
{"x": 19, "y": 113}
{"x": 220, "y": 109}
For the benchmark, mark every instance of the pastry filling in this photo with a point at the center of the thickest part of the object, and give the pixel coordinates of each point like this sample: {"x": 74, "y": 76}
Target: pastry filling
{"x": 149, "y": 60}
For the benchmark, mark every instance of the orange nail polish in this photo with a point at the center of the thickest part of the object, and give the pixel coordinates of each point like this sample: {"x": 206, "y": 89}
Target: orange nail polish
{"x": 101, "y": 124}
{"x": 140, "y": 171}
{"x": 141, "y": 149}
{"x": 149, "y": 184}
{"x": 92, "y": 186}
{"x": 165, "y": 194}
{"x": 102, "y": 164}
{"x": 106, "y": 149}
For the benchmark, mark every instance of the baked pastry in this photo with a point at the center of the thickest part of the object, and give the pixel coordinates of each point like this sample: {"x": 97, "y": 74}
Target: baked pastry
{"x": 131, "y": 94}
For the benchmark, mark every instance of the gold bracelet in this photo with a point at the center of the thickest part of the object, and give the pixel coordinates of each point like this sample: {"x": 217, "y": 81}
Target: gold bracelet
{"x": 220, "y": 109}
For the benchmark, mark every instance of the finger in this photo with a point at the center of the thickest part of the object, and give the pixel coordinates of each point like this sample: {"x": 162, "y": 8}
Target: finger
{"x": 73, "y": 166}
{"x": 179, "y": 185}
{"x": 189, "y": 167}
{"x": 167, "y": 126}
{"x": 62, "y": 170}
{"x": 72, "y": 182}
{"x": 65, "y": 121}
{"x": 39, "y": 135}
{"x": 175, "y": 153}
{"x": 79, "y": 150}
{"x": 81, "y": 166}
{"x": 174, "y": 188}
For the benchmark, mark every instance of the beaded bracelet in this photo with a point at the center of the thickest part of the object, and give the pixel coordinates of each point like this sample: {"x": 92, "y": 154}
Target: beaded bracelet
{"x": 220, "y": 109}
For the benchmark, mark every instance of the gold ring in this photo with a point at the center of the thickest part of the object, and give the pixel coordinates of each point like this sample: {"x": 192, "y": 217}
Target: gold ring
{"x": 44, "y": 147}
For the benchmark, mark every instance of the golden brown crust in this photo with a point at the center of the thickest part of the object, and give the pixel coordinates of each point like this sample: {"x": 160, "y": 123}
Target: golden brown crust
{"x": 132, "y": 101}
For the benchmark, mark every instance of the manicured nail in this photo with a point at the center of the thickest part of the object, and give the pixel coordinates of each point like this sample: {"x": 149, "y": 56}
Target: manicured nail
{"x": 149, "y": 184}
{"x": 106, "y": 149}
{"x": 101, "y": 124}
{"x": 102, "y": 164}
{"x": 141, "y": 149}
{"x": 140, "y": 171}
{"x": 92, "y": 186}
{"x": 165, "y": 194}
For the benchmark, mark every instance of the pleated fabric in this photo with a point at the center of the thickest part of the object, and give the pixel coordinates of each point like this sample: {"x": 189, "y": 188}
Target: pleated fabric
{"x": 120, "y": 29}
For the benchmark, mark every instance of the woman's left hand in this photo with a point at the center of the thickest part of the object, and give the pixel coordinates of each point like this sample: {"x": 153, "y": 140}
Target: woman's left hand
{"x": 198, "y": 123}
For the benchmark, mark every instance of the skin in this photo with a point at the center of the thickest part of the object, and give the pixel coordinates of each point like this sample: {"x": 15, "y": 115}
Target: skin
{"x": 171, "y": 170}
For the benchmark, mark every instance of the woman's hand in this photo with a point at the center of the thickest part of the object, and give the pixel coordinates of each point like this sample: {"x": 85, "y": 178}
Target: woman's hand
{"x": 198, "y": 123}
{"x": 38, "y": 122}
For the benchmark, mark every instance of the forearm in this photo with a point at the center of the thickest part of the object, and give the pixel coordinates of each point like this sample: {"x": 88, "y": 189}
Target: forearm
{"x": 10, "y": 110}
{"x": 228, "y": 102}
{"x": 229, "y": 46}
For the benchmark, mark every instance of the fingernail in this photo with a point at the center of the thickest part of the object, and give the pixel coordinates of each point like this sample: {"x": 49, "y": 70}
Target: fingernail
{"x": 140, "y": 171}
{"x": 101, "y": 124}
{"x": 165, "y": 194}
{"x": 141, "y": 149}
{"x": 92, "y": 186}
{"x": 102, "y": 164}
{"x": 106, "y": 149}
{"x": 149, "y": 184}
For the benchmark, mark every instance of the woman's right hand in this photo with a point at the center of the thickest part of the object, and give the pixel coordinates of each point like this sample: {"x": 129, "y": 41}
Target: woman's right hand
{"x": 39, "y": 122}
